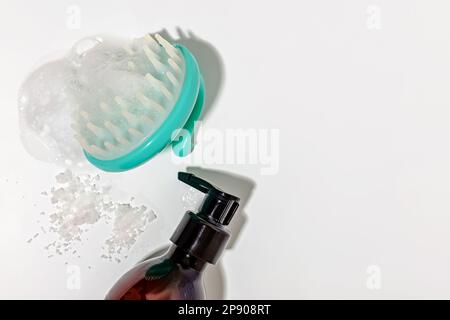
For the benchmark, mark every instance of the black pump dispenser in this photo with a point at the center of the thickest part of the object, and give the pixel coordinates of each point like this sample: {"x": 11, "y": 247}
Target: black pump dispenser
{"x": 203, "y": 234}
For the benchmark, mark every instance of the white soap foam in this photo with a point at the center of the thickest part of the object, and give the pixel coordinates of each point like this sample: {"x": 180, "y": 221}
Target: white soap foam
{"x": 45, "y": 106}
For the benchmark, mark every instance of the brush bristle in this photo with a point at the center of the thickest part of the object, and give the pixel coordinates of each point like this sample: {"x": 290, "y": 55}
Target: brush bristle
{"x": 120, "y": 120}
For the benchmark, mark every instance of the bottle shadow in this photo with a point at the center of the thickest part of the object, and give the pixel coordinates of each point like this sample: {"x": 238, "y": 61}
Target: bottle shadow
{"x": 214, "y": 276}
{"x": 209, "y": 61}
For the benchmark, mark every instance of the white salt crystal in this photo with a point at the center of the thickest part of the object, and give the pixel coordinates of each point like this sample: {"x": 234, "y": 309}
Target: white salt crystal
{"x": 64, "y": 177}
{"x": 80, "y": 201}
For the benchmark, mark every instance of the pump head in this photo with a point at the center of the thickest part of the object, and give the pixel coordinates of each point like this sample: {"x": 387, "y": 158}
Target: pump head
{"x": 203, "y": 234}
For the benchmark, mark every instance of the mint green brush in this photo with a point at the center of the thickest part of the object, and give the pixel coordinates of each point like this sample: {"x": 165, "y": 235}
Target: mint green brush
{"x": 152, "y": 90}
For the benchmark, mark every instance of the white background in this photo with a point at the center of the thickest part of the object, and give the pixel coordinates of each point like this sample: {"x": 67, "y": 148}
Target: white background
{"x": 364, "y": 171}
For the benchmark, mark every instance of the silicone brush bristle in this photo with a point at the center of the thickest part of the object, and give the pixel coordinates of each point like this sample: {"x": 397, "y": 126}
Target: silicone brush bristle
{"x": 118, "y": 123}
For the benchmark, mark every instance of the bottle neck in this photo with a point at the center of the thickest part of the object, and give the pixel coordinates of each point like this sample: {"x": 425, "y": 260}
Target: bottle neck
{"x": 185, "y": 260}
{"x": 201, "y": 238}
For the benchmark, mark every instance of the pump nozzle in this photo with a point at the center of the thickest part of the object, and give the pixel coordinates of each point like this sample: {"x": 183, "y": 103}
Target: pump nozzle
{"x": 203, "y": 234}
{"x": 194, "y": 181}
{"x": 217, "y": 205}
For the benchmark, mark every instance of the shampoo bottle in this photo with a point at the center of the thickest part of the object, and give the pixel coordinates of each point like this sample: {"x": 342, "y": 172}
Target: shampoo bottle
{"x": 198, "y": 240}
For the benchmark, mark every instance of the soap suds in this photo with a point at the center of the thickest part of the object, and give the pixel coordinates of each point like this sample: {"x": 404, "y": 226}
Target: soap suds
{"x": 45, "y": 107}
{"x": 82, "y": 201}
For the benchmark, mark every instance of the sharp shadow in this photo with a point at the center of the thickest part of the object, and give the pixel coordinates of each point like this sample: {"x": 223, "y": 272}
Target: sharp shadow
{"x": 209, "y": 61}
{"x": 214, "y": 277}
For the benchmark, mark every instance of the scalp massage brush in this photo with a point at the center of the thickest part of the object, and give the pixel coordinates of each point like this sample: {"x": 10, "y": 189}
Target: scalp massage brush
{"x": 134, "y": 99}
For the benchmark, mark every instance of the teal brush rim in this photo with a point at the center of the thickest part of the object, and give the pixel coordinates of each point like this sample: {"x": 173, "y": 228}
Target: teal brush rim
{"x": 185, "y": 112}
